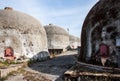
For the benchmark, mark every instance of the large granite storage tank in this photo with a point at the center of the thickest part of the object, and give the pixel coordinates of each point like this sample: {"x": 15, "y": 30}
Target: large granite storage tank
{"x": 23, "y": 33}
{"x": 102, "y": 25}
{"x": 74, "y": 42}
{"x": 58, "y": 38}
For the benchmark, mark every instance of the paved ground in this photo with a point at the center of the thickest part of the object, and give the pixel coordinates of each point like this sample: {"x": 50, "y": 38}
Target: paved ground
{"x": 52, "y": 69}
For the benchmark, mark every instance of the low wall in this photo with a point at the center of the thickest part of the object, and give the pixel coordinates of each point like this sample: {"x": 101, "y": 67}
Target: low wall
{"x": 4, "y": 71}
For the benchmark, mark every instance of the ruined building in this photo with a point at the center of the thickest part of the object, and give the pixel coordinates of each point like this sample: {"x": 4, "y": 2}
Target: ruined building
{"x": 21, "y": 34}
{"x": 102, "y": 26}
{"x": 58, "y": 39}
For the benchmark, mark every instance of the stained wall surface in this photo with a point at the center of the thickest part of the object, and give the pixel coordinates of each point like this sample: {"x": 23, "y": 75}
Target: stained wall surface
{"x": 58, "y": 38}
{"x": 74, "y": 42}
{"x": 102, "y": 25}
{"x": 22, "y": 32}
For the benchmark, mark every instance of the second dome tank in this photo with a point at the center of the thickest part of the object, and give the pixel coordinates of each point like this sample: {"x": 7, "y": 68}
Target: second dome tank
{"x": 58, "y": 38}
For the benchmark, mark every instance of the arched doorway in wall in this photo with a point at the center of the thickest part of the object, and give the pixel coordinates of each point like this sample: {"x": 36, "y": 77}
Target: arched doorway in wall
{"x": 107, "y": 35}
{"x": 9, "y": 52}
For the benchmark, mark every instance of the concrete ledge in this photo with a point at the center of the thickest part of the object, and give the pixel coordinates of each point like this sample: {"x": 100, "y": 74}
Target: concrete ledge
{"x": 6, "y": 70}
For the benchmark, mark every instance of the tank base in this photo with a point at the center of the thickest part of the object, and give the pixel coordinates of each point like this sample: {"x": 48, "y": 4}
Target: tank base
{"x": 88, "y": 72}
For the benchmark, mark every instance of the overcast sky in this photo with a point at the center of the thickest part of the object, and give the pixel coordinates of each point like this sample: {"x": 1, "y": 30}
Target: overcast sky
{"x": 64, "y": 13}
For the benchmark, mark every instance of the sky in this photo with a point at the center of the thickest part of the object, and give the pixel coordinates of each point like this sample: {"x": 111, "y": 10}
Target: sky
{"x": 68, "y": 14}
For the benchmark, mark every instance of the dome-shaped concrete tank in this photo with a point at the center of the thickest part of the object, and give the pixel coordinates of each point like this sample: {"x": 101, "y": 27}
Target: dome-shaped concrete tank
{"x": 102, "y": 26}
{"x": 58, "y": 38}
{"x": 74, "y": 42}
{"x": 23, "y": 33}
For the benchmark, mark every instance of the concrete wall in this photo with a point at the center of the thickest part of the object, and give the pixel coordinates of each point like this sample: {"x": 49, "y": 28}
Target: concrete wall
{"x": 101, "y": 26}
{"x": 58, "y": 41}
{"x": 23, "y": 33}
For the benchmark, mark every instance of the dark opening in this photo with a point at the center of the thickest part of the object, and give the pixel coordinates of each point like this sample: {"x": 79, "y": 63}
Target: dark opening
{"x": 55, "y": 51}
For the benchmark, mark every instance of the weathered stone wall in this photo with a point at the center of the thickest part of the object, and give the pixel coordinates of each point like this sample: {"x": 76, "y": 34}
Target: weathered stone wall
{"x": 57, "y": 41}
{"x": 74, "y": 42}
{"x": 10, "y": 38}
{"x": 23, "y": 33}
{"x": 58, "y": 38}
{"x": 101, "y": 26}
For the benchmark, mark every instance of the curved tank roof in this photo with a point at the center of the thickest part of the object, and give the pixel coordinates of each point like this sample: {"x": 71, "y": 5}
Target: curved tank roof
{"x": 53, "y": 29}
{"x": 74, "y": 42}
{"x": 103, "y": 19}
{"x": 12, "y": 19}
{"x": 57, "y": 37}
{"x": 74, "y": 38}
{"x": 22, "y": 32}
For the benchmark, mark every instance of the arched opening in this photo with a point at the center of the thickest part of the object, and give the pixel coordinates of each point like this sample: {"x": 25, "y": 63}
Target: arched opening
{"x": 9, "y": 52}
